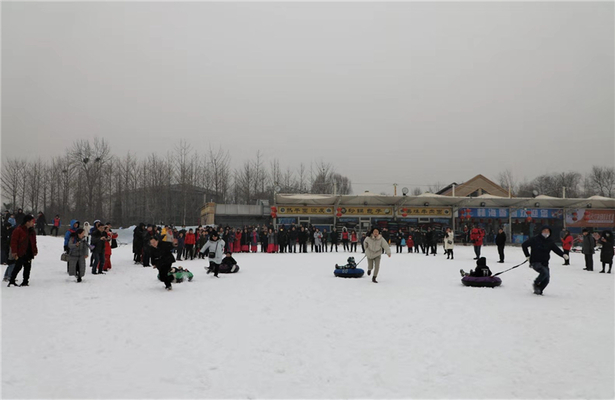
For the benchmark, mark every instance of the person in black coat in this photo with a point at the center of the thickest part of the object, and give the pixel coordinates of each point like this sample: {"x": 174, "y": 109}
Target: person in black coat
{"x": 19, "y": 216}
{"x": 98, "y": 241}
{"x": 293, "y": 235}
{"x": 500, "y": 241}
{"x": 149, "y": 233}
{"x": 41, "y": 222}
{"x": 7, "y": 229}
{"x": 429, "y": 241}
{"x": 606, "y": 251}
{"x": 137, "y": 243}
{"x": 162, "y": 259}
{"x": 303, "y": 238}
{"x": 334, "y": 237}
{"x": 542, "y": 245}
{"x": 282, "y": 239}
{"x": 262, "y": 236}
{"x": 480, "y": 271}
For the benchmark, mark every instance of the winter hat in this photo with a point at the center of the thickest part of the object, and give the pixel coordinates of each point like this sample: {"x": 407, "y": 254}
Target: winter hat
{"x": 481, "y": 262}
{"x": 27, "y": 218}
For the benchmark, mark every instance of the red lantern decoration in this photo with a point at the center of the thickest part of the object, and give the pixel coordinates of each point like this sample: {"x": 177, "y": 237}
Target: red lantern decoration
{"x": 274, "y": 209}
{"x": 339, "y": 214}
{"x": 339, "y": 210}
{"x": 528, "y": 213}
{"x": 273, "y": 215}
{"x": 528, "y": 219}
{"x": 404, "y": 215}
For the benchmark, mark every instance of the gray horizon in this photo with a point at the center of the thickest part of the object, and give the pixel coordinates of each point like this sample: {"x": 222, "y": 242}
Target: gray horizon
{"x": 407, "y": 93}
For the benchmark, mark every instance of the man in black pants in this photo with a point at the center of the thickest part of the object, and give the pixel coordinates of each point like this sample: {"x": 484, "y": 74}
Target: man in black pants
{"x": 587, "y": 248}
{"x": 99, "y": 239}
{"x": 23, "y": 248}
{"x": 500, "y": 241}
{"x": 541, "y": 246}
{"x": 162, "y": 259}
{"x": 303, "y": 238}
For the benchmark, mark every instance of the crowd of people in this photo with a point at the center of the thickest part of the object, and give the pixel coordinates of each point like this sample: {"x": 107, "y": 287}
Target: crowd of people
{"x": 161, "y": 246}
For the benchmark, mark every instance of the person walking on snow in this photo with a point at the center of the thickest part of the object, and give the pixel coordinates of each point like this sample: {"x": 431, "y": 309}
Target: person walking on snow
{"x": 567, "y": 245}
{"x": 23, "y": 249}
{"x": 375, "y": 245}
{"x": 587, "y": 248}
{"x": 500, "y": 241}
{"x": 215, "y": 250}
{"x": 541, "y": 246}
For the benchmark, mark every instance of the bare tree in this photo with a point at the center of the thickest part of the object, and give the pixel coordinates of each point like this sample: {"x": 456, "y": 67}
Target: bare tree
{"x": 13, "y": 172}
{"x": 436, "y": 187}
{"x": 417, "y": 191}
{"x": 602, "y": 180}
{"x": 507, "y": 181}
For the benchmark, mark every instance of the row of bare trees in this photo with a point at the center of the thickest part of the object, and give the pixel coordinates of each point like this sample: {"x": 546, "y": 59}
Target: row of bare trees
{"x": 598, "y": 181}
{"x": 88, "y": 182}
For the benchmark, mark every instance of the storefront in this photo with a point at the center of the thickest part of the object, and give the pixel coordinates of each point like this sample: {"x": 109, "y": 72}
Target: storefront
{"x": 489, "y": 219}
{"x": 527, "y": 222}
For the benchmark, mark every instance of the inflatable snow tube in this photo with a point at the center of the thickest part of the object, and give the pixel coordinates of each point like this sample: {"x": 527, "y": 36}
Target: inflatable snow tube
{"x": 228, "y": 269}
{"x": 483, "y": 281}
{"x": 349, "y": 272}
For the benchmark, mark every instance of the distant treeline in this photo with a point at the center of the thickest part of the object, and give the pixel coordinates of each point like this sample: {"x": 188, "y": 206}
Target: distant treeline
{"x": 88, "y": 182}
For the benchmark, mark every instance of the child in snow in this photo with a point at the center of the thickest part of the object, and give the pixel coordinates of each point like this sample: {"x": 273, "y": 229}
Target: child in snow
{"x": 351, "y": 264}
{"x": 481, "y": 270}
{"x": 228, "y": 263}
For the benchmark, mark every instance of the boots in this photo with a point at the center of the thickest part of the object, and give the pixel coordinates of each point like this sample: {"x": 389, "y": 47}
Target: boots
{"x": 369, "y": 272}
{"x": 374, "y": 279}
{"x": 12, "y": 283}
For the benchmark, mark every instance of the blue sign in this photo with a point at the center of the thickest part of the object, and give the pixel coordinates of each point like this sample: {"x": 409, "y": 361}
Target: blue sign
{"x": 483, "y": 212}
{"x": 552, "y": 213}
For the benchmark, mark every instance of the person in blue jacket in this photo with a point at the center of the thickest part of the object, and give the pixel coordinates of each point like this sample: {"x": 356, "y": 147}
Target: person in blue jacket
{"x": 74, "y": 225}
{"x": 541, "y": 246}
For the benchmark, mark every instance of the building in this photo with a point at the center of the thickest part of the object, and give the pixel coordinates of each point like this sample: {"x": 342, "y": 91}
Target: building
{"x": 477, "y": 186}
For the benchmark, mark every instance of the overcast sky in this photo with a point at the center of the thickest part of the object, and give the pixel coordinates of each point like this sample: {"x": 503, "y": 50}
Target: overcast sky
{"x": 412, "y": 93}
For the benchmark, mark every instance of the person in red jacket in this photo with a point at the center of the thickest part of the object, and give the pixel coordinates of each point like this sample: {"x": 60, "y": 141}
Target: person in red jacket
{"x": 23, "y": 249}
{"x": 476, "y": 236}
{"x": 189, "y": 244}
{"x": 110, "y": 235}
{"x": 567, "y": 246}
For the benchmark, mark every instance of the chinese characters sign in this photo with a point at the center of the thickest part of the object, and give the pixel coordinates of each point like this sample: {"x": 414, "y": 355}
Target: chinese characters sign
{"x": 441, "y": 212}
{"x": 327, "y": 210}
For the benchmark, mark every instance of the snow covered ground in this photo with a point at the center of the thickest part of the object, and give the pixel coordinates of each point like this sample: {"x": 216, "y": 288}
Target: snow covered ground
{"x": 285, "y": 327}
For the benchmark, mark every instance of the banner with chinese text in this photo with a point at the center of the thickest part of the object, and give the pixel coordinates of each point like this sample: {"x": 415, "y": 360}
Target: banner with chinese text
{"x": 441, "y": 212}
{"x": 587, "y": 217}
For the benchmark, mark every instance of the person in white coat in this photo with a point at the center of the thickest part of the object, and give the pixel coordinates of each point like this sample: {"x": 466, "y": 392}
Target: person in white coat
{"x": 449, "y": 243}
{"x": 215, "y": 249}
{"x": 374, "y": 245}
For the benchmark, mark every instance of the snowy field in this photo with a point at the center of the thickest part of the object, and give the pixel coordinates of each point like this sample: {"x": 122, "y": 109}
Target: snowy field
{"x": 285, "y": 327}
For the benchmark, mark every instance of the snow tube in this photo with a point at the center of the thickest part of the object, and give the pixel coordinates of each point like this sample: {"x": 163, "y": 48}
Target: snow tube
{"x": 228, "y": 269}
{"x": 349, "y": 272}
{"x": 483, "y": 281}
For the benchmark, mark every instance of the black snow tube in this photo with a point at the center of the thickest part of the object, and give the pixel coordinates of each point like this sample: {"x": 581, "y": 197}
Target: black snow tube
{"x": 483, "y": 281}
{"x": 349, "y": 272}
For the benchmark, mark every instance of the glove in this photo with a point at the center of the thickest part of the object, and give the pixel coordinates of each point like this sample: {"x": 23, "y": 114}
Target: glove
{"x": 566, "y": 257}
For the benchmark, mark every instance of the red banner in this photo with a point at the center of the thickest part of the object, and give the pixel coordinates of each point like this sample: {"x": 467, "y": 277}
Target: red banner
{"x": 587, "y": 217}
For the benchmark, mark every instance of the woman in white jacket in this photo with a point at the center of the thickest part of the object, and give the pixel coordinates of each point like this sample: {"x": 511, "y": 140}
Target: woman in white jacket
{"x": 215, "y": 248}
{"x": 449, "y": 243}
{"x": 374, "y": 245}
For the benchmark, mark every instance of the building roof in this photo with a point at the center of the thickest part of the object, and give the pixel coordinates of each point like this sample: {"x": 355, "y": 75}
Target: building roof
{"x": 475, "y": 187}
{"x": 435, "y": 200}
